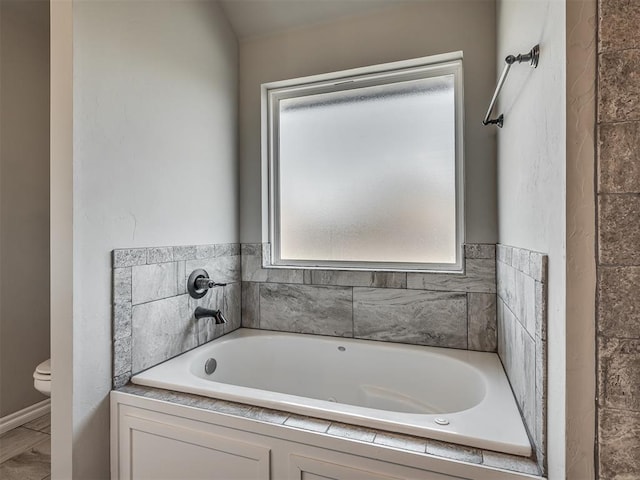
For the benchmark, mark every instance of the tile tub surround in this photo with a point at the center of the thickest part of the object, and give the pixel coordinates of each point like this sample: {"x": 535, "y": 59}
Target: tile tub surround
{"x": 407, "y": 443}
{"x": 152, "y": 312}
{"x": 618, "y": 241}
{"x": 435, "y": 309}
{"x": 522, "y": 317}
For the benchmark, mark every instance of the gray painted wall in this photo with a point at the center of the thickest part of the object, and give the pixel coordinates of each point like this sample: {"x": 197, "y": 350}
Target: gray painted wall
{"x": 422, "y": 29}
{"x": 531, "y": 173}
{"x": 24, "y": 200}
{"x": 154, "y": 143}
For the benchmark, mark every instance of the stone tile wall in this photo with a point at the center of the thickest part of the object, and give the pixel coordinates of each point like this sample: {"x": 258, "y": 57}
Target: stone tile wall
{"x": 152, "y": 312}
{"x": 618, "y": 243}
{"x": 444, "y": 310}
{"x": 522, "y": 337}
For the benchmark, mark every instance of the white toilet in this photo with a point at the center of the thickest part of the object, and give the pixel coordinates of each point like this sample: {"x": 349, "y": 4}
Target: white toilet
{"x": 42, "y": 378}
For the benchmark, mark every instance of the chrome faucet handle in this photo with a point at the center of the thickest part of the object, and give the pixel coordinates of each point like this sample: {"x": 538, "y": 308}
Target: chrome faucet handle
{"x": 199, "y": 283}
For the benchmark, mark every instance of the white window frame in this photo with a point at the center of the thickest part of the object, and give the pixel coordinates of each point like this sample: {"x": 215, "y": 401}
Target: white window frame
{"x": 271, "y": 93}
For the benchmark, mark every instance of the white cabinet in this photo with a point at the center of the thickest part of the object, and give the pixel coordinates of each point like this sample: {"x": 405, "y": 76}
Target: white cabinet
{"x": 160, "y": 449}
{"x": 155, "y": 440}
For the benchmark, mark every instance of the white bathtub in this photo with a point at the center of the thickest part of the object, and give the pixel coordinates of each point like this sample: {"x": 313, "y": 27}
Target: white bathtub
{"x": 399, "y": 388}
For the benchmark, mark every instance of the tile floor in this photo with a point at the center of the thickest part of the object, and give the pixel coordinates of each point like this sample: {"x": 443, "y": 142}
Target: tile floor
{"x": 25, "y": 452}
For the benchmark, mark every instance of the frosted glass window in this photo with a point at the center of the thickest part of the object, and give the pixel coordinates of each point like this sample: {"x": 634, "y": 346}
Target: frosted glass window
{"x": 366, "y": 174}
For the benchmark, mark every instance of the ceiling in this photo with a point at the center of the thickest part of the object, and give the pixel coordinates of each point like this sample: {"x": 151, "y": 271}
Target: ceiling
{"x": 254, "y": 18}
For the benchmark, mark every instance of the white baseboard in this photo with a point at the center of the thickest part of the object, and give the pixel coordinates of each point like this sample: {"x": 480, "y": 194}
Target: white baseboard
{"x": 25, "y": 415}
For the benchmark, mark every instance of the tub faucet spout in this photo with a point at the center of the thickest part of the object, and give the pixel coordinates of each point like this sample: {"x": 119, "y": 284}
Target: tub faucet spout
{"x": 217, "y": 315}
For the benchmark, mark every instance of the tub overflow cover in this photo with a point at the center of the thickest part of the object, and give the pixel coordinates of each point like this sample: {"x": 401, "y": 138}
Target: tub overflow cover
{"x": 210, "y": 366}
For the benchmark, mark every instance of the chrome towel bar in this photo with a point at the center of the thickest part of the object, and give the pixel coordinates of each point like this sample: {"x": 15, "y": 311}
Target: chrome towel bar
{"x": 532, "y": 57}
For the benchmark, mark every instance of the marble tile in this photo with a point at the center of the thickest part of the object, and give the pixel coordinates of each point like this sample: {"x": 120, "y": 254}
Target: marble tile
{"x": 251, "y": 249}
{"x": 184, "y": 252}
{"x": 538, "y": 266}
{"x": 410, "y": 316}
{"x": 121, "y": 320}
{"x": 181, "y": 277}
{"x": 153, "y": 282}
{"x": 161, "y": 330}
{"x": 618, "y": 154}
{"x": 351, "y": 432}
{"x": 231, "y": 408}
{"x": 481, "y": 313}
{"x": 121, "y": 380}
{"x": 220, "y": 269}
{"x": 619, "y": 373}
{"x": 619, "y": 229}
{"x": 206, "y": 328}
{"x": 227, "y": 249}
{"x": 359, "y": 279}
{"x": 506, "y": 284}
{"x": 122, "y": 285}
{"x": 454, "y": 452}
{"x": 306, "y": 309}
{"x": 250, "y": 305}
{"x": 619, "y": 301}
{"x": 121, "y": 356}
{"x": 480, "y": 277}
{"x": 33, "y": 464}
{"x": 40, "y": 424}
{"x": 618, "y": 27}
{"x": 205, "y": 251}
{"x": 307, "y": 277}
{"x": 308, "y": 423}
{"x": 129, "y": 257}
{"x": 403, "y": 442}
{"x": 618, "y": 86}
{"x": 159, "y": 255}
{"x": 480, "y": 250}
{"x": 267, "y": 415}
{"x": 252, "y": 271}
{"x": 509, "y": 462}
{"x": 18, "y": 440}
{"x": 618, "y": 444}
{"x": 232, "y": 307}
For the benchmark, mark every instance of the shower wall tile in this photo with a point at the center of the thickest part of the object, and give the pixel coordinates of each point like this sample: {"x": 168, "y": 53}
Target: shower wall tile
{"x": 522, "y": 317}
{"x": 619, "y": 229}
{"x": 481, "y": 320}
{"x": 397, "y": 305}
{"x": 161, "y": 330}
{"x": 250, "y": 305}
{"x": 410, "y": 316}
{"x": 153, "y": 282}
{"x": 306, "y": 309}
{"x": 359, "y": 279}
{"x": 479, "y": 277}
{"x": 159, "y": 255}
{"x": 618, "y": 154}
{"x": 152, "y": 314}
{"x": 129, "y": 257}
{"x": 618, "y": 29}
{"x": 619, "y": 86}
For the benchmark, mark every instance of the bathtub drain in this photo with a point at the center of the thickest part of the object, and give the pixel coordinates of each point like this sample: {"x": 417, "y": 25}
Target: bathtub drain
{"x": 210, "y": 366}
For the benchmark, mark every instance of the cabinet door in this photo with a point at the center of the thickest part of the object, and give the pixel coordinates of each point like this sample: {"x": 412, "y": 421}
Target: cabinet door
{"x": 162, "y": 451}
{"x": 307, "y": 468}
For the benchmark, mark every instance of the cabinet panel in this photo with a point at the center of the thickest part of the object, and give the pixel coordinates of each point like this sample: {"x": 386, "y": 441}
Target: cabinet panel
{"x": 153, "y": 450}
{"x": 307, "y": 468}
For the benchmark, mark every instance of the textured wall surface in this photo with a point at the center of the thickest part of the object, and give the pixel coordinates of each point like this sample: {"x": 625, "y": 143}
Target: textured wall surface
{"x": 411, "y": 30}
{"x": 24, "y": 200}
{"x": 152, "y": 311}
{"x": 443, "y": 310}
{"x": 522, "y": 336}
{"x": 618, "y": 192}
